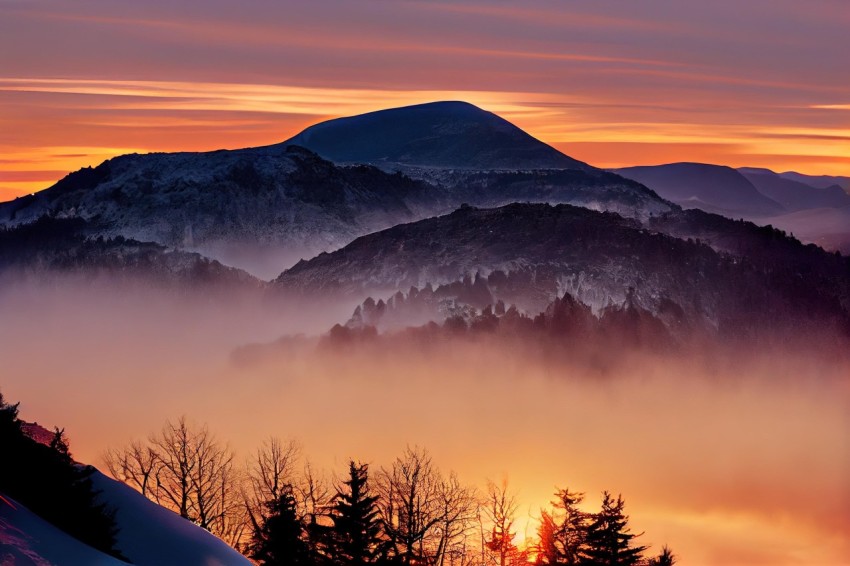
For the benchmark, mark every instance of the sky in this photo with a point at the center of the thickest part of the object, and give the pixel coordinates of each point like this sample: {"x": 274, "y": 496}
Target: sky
{"x": 614, "y": 83}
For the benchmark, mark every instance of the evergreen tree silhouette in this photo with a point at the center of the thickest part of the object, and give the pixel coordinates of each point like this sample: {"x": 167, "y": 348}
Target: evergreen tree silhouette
{"x": 356, "y": 535}
{"x": 609, "y": 542}
{"x": 49, "y": 483}
{"x": 279, "y": 541}
{"x": 571, "y": 532}
{"x": 666, "y": 558}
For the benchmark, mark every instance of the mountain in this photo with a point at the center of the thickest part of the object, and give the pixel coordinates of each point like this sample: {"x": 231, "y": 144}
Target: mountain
{"x": 713, "y": 188}
{"x": 796, "y": 195}
{"x": 450, "y": 134}
{"x": 261, "y": 209}
{"x": 818, "y": 181}
{"x": 65, "y": 246}
{"x": 530, "y": 254}
{"x": 829, "y": 228}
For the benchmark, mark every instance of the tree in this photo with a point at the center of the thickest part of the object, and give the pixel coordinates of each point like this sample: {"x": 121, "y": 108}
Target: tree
{"x": 186, "y": 469}
{"x": 571, "y": 526}
{"x": 666, "y": 558}
{"x": 49, "y": 483}
{"x": 356, "y": 537}
{"x": 136, "y": 465}
{"x": 547, "y": 548}
{"x": 410, "y": 506}
{"x": 271, "y": 468}
{"x": 279, "y": 540}
{"x": 314, "y": 501}
{"x": 501, "y": 509}
{"x": 609, "y": 542}
{"x": 459, "y": 508}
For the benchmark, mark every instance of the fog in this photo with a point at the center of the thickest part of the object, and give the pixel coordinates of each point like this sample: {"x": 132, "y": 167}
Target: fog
{"x": 727, "y": 459}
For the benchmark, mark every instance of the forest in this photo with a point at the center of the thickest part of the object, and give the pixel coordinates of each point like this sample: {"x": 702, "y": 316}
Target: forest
{"x": 278, "y": 509}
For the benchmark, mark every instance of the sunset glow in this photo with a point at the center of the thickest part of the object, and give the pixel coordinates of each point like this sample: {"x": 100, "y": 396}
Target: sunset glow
{"x": 729, "y": 442}
{"x": 86, "y": 83}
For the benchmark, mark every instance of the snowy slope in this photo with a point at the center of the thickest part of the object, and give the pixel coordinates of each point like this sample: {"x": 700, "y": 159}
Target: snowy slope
{"x": 152, "y": 535}
{"x": 27, "y": 539}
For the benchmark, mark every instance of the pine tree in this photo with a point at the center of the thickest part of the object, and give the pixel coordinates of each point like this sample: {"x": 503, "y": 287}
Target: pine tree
{"x": 666, "y": 558}
{"x": 279, "y": 541}
{"x": 571, "y": 531}
{"x": 356, "y": 536}
{"x": 609, "y": 542}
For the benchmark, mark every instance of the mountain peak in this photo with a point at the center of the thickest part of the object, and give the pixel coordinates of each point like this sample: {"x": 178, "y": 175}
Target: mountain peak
{"x": 445, "y": 134}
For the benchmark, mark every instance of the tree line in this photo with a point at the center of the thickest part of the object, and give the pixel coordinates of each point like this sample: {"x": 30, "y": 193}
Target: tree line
{"x": 44, "y": 478}
{"x": 279, "y": 510}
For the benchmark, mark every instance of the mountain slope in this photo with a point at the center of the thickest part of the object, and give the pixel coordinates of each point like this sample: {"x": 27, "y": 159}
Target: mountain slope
{"x": 28, "y": 540}
{"x": 795, "y": 195}
{"x": 712, "y": 188}
{"x": 829, "y": 228}
{"x": 818, "y": 181}
{"x": 149, "y": 535}
{"x": 153, "y": 535}
{"x": 439, "y": 134}
{"x": 262, "y": 209}
{"x": 52, "y": 246}
{"x": 530, "y": 254}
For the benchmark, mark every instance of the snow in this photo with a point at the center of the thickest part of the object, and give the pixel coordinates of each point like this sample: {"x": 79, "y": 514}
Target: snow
{"x": 152, "y": 535}
{"x": 27, "y": 539}
{"x": 149, "y": 535}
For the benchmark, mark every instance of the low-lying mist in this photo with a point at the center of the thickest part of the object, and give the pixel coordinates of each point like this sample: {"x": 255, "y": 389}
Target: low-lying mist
{"x": 730, "y": 458}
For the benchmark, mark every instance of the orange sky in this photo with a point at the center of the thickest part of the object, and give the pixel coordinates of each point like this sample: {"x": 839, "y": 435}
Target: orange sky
{"x": 761, "y": 83}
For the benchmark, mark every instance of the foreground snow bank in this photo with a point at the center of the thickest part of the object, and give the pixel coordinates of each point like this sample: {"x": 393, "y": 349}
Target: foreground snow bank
{"x": 28, "y": 540}
{"x": 152, "y": 535}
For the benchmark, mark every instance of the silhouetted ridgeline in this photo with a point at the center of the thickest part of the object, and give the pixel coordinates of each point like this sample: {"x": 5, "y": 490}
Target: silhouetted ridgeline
{"x": 66, "y": 246}
{"x": 530, "y": 254}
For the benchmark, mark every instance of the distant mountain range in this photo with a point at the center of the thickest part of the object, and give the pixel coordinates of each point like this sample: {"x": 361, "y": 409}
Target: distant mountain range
{"x": 439, "y": 194}
{"x": 815, "y": 209}
{"x": 264, "y": 208}
{"x": 713, "y": 188}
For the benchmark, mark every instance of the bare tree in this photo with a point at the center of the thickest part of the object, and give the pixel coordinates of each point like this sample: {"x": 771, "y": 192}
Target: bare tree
{"x": 185, "y": 468}
{"x": 176, "y": 464}
{"x": 271, "y": 468}
{"x": 135, "y": 465}
{"x": 410, "y": 504}
{"x": 314, "y": 494}
{"x": 459, "y": 508}
{"x": 501, "y": 510}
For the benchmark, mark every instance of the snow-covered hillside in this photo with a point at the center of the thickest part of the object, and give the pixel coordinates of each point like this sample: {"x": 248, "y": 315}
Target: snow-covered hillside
{"x": 152, "y": 535}
{"x": 149, "y": 535}
{"x": 28, "y": 540}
